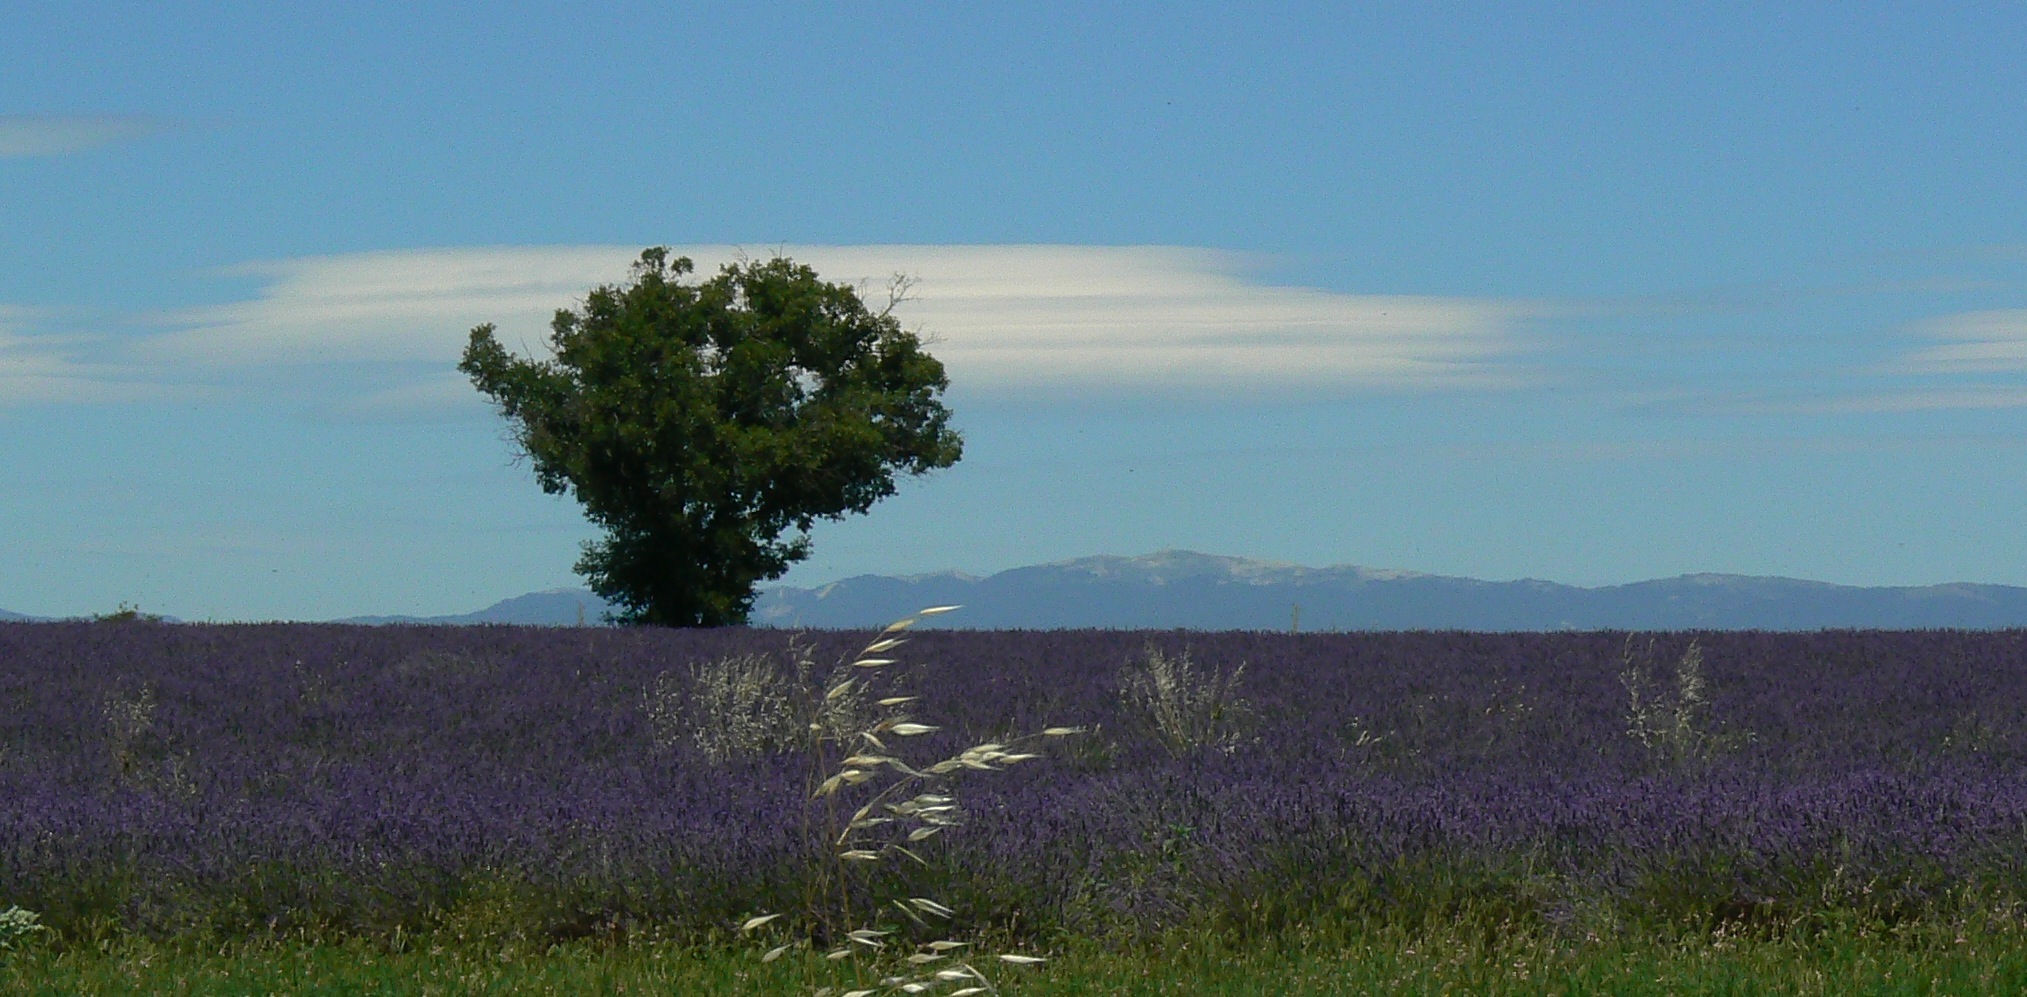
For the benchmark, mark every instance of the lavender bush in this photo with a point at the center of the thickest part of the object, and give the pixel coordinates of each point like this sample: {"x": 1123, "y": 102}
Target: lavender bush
{"x": 515, "y": 783}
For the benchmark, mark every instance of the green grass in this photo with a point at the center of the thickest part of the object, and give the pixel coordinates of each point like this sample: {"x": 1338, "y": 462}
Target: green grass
{"x": 1842, "y": 959}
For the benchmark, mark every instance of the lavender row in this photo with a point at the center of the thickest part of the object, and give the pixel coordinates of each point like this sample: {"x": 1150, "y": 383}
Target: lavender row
{"x": 257, "y": 778}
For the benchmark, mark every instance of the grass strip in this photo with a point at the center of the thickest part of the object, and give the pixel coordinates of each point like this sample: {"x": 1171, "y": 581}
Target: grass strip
{"x": 1860, "y": 961}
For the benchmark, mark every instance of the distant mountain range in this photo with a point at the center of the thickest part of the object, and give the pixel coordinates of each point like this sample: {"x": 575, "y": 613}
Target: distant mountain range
{"x": 1179, "y": 589}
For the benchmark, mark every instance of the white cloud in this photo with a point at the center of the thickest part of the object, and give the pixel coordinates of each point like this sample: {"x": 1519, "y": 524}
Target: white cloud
{"x": 1990, "y": 342}
{"x": 403, "y": 305}
{"x": 45, "y": 368}
{"x": 23, "y": 135}
{"x": 1004, "y": 319}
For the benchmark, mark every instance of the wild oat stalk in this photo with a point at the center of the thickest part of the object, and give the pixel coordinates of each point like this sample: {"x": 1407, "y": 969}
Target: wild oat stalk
{"x": 924, "y": 814}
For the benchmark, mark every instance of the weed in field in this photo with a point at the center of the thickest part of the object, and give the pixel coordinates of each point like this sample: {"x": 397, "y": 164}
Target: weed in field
{"x": 1974, "y": 734}
{"x": 1672, "y": 721}
{"x": 736, "y": 706}
{"x": 745, "y": 705}
{"x": 17, "y": 926}
{"x": 1183, "y": 710}
{"x": 130, "y": 724}
{"x": 829, "y": 905}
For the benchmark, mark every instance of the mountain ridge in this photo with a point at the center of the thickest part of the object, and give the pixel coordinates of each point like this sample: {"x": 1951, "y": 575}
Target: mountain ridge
{"x": 1182, "y": 589}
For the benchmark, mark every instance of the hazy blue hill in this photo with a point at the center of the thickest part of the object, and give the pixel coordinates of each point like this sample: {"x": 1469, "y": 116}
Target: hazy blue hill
{"x": 1183, "y": 589}
{"x": 1178, "y": 589}
{"x": 551, "y": 607}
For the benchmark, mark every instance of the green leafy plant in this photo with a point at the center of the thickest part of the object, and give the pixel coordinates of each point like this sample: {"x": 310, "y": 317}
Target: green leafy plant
{"x": 17, "y": 926}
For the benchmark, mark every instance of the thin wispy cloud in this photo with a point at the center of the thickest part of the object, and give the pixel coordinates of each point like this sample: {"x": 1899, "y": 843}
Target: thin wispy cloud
{"x": 24, "y": 135}
{"x": 393, "y": 306}
{"x": 1839, "y": 398}
{"x": 1913, "y": 400}
{"x": 430, "y": 398}
{"x": 46, "y": 367}
{"x": 1988, "y": 342}
{"x": 1964, "y": 361}
{"x": 1003, "y": 319}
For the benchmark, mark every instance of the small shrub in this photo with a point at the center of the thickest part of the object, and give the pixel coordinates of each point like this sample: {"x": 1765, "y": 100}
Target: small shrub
{"x": 126, "y": 614}
{"x": 140, "y": 757}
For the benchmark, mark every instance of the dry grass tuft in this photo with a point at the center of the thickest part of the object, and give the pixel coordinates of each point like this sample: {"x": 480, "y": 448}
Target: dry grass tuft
{"x": 139, "y": 754}
{"x": 1185, "y": 710}
{"x": 130, "y": 725}
{"x": 1671, "y": 720}
{"x": 747, "y": 705}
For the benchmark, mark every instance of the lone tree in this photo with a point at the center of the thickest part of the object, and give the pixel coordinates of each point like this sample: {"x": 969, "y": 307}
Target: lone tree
{"x": 697, "y": 422}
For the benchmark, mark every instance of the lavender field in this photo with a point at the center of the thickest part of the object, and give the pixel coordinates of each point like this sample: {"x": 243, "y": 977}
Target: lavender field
{"x": 271, "y": 780}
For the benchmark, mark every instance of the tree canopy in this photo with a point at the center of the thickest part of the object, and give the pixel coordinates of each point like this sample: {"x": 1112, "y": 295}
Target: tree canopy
{"x": 698, "y": 421}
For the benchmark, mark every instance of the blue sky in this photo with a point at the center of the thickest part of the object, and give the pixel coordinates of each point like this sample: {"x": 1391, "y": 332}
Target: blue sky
{"x": 1519, "y": 292}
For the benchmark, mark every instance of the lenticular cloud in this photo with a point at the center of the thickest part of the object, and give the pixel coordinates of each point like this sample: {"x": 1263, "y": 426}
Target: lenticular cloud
{"x": 1004, "y": 319}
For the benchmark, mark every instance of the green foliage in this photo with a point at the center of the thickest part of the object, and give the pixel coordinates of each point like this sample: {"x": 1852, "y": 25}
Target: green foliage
{"x": 1338, "y": 955}
{"x": 126, "y": 614}
{"x": 698, "y": 422}
{"x": 17, "y": 926}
